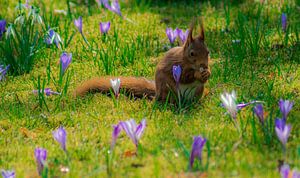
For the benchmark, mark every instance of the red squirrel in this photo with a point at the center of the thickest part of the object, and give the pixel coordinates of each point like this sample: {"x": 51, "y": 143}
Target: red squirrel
{"x": 193, "y": 58}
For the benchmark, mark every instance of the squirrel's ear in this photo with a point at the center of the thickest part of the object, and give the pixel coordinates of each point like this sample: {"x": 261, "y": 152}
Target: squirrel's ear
{"x": 189, "y": 39}
{"x": 201, "y": 35}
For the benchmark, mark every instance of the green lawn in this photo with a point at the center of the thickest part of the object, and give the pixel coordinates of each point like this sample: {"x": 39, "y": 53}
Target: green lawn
{"x": 264, "y": 66}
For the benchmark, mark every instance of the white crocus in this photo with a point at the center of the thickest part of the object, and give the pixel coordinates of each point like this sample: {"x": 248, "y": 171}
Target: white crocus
{"x": 115, "y": 84}
{"x": 229, "y": 102}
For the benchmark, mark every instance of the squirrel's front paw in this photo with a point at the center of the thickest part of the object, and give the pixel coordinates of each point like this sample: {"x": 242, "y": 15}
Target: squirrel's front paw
{"x": 198, "y": 75}
{"x": 205, "y": 74}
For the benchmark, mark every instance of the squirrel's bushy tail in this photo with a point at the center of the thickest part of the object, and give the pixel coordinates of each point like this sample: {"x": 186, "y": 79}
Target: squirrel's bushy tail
{"x": 137, "y": 86}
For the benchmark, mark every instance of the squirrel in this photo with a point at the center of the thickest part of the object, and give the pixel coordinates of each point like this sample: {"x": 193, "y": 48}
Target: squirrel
{"x": 193, "y": 58}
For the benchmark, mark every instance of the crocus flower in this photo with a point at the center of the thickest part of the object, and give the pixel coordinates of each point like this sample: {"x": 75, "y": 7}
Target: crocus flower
{"x": 286, "y": 172}
{"x": 60, "y": 135}
{"x": 116, "y": 131}
{"x": 47, "y": 91}
{"x": 283, "y": 21}
{"x": 197, "y": 147}
{"x": 65, "y": 60}
{"x": 282, "y": 130}
{"x": 104, "y": 27}
{"x": 182, "y": 35}
{"x": 78, "y": 24}
{"x": 259, "y": 112}
{"x": 172, "y": 35}
{"x": 8, "y": 173}
{"x": 229, "y": 102}
{"x": 53, "y": 37}
{"x": 115, "y": 84}
{"x": 103, "y": 2}
{"x": 26, "y": 5}
{"x": 3, "y": 71}
{"x": 2, "y": 27}
{"x": 134, "y": 131}
{"x": 177, "y": 73}
{"x": 285, "y": 107}
{"x": 114, "y": 7}
{"x": 40, "y": 157}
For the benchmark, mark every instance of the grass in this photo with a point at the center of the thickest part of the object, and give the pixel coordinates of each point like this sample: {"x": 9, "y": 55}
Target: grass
{"x": 263, "y": 66}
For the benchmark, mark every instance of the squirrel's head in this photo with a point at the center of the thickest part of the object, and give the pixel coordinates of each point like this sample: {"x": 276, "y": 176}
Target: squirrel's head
{"x": 195, "y": 50}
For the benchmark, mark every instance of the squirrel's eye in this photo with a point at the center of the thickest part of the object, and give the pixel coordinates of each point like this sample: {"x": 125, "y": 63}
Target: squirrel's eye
{"x": 191, "y": 53}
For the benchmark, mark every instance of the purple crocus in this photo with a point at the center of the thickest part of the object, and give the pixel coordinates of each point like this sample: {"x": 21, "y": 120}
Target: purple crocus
{"x": 53, "y": 37}
{"x": 182, "y": 35}
{"x": 197, "y": 148}
{"x": 40, "y": 157}
{"x": 114, "y": 7}
{"x": 115, "y": 133}
{"x": 47, "y": 91}
{"x": 286, "y": 172}
{"x": 78, "y": 24}
{"x": 177, "y": 73}
{"x": 104, "y": 27}
{"x": 285, "y": 107}
{"x": 60, "y": 135}
{"x": 282, "y": 130}
{"x": 103, "y": 2}
{"x": 133, "y": 130}
{"x": 172, "y": 34}
{"x": 259, "y": 112}
{"x": 2, "y": 27}
{"x": 8, "y": 173}
{"x": 65, "y": 60}
{"x": 3, "y": 71}
{"x": 284, "y": 22}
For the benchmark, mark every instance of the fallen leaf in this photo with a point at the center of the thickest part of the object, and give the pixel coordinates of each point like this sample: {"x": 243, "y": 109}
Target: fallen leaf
{"x": 129, "y": 153}
{"x": 26, "y": 133}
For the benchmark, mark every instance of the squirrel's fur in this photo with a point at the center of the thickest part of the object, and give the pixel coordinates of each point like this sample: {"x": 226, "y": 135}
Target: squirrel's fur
{"x": 193, "y": 58}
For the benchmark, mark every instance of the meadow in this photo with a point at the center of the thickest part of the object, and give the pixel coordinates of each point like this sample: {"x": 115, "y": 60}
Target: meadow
{"x": 254, "y": 51}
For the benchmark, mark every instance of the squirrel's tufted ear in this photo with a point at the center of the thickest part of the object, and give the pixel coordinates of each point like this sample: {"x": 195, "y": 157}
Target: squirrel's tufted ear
{"x": 201, "y": 35}
{"x": 189, "y": 39}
